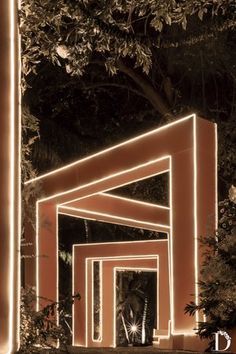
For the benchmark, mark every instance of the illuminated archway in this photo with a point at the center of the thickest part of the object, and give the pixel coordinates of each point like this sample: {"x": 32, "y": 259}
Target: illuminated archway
{"x": 186, "y": 149}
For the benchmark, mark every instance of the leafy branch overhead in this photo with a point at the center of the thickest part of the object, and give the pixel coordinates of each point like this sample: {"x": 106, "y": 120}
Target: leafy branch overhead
{"x": 71, "y": 33}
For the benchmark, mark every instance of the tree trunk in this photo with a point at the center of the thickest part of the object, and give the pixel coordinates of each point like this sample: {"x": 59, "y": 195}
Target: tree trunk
{"x": 151, "y": 94}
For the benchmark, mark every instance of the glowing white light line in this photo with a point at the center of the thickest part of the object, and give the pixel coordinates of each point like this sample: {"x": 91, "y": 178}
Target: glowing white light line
{"x": 117, "y": 243}
{"x": 117, "y": 186}
{"x": 79, "y": 217}
{"x": 92, "y": 309}
{"x": 158, "y": 292}
{"x": 19, "y": 184}
{"x": 37, "y": 255}
{"x": 112, "y": 259}
{"x": 57, "y": 268}
{"x": 114, "y": 307}
{"x": 170, "y": 249}
{"x": 11, "y": 270}
{"x": 142, "y": 224}
{"x": 195, "y": 216}
{"x": 216, "y": 177}
{"x": 128, "y": 268}
{"x": 73, "y": 293}
{"x": 123, "y": 258}
{"x": 86, "y": 303}
{"x": 167, "y": 126}
{"x": 123, "y": 172}
{"x": 158, "y": 206}
{"x": 100, "y": 301}
{"x": 116, "y": 217}
{"x": 136, "y": 269}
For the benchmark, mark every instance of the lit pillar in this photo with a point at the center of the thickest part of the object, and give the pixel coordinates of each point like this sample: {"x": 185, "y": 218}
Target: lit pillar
{"x": 9, "y": 178}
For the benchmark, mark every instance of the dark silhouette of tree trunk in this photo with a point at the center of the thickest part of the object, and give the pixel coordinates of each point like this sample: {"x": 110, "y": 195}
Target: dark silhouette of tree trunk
{"x": 150, "y": 92}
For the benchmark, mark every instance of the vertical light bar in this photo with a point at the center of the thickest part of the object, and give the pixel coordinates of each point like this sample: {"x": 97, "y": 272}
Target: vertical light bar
{"x": 10, "y": 179}
{"x": 18, "y": 75}
{"x": 114, "y": 306}
{"x": 170, "y": 246}
{"x": 11, "y": 284}
{"x": 216, "y": 177}
{"x": 37, "y": 255}
{"x": 195, "y": 213}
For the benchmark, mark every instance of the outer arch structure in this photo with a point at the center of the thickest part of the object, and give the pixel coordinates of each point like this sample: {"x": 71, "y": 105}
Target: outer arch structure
{"x": 186, "y": 149}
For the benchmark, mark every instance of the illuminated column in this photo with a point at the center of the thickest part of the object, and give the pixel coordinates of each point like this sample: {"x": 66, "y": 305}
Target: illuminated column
{"x": 9, "y": 179}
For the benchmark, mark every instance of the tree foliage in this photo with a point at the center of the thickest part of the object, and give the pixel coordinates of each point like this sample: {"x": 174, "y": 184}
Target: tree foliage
{"x": 39, "y": 329}
{"x": 70, "y": 32}
{"x": 218, "y": 274}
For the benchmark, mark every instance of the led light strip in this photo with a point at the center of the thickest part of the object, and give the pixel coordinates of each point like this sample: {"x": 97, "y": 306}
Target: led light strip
{"x": 100, "y": 301}
{"x": 104, "y": 192}
{"x": 135, "y": 201}
{"x": 127, "y": 142}
{"x": 12, "y": 176}
{"x": 112, "y": 259}
{"x": 170, "y": 239}
{"x": 117, "y": 269}
{"x": 14, "y": 189}
{"x": 96, "y": 213}
{"x": 195, "y": 215}
{"x": 123, "y": 172}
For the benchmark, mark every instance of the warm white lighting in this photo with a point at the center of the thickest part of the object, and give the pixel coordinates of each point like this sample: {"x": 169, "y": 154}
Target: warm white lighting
{"x": 98, "y": 216}
{"x": 65, "y": 199}
{"x": 167, "y": 126}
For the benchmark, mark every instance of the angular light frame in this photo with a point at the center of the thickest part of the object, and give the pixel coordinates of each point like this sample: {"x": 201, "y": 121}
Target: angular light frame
{"x": 186, "y": 149}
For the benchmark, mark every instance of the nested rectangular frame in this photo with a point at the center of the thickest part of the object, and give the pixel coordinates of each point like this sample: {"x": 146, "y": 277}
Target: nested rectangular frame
{"x": 120, "y": 253}
{"x": 134, "y": 263}
{"x": 182, "y": 143}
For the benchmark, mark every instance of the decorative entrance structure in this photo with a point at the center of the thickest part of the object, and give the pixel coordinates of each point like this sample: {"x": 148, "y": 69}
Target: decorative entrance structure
{"x": 186, "y": 149}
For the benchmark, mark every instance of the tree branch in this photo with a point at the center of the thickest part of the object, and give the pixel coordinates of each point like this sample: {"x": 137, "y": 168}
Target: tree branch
{"x": 150, "y": 93}
{"x": 112, "y": 84}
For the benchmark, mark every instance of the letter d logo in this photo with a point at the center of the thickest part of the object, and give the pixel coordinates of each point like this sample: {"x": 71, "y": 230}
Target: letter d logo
{"x": 227, "y": 338}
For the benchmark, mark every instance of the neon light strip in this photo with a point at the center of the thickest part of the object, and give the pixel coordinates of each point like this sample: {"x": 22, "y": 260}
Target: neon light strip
{"x": 123, "y": 172}
{"x": 134, "y": 201}
{"x": 116, "y": 243}
{"x": 124, "y": 258}
{"x": 157, "y": 227}
{"x": 132, "y": 268}
{"x": 195, "y": 216}
{"x": 111, "y": 148}
{"x": 37, "y": 256}
{"x": 117, "y": 186}
{"x": 116, "y": 217}
{"x": 12, "y": 227}
{"x": 100, "y": 300}
{"x": 73, "y": 293}
{"x": 57, "y": 268}
{"x": 136, "y": 269}
{"x": 115, "y": 269}
{"x": 86, "y": 303}
{"x": 216, "y": 177}
{"x": 114, "y": 307}
{"x": 18, "y": 295}
{"x": 171, "y": 256}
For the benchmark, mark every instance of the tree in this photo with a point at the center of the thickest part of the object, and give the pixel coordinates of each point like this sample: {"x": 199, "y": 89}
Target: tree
{"x": 171, "y": 58}
{"x": 218, "y": 274}
{"x": 122, "y": 35}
